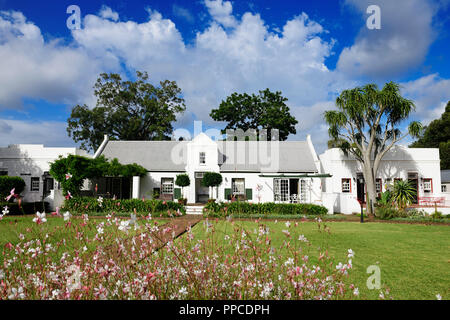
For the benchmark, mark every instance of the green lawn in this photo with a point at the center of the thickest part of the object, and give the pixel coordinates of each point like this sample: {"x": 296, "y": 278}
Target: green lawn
{"x": 414, "y": 259}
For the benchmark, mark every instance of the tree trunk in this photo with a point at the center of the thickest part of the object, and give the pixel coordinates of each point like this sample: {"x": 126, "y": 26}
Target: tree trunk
{"x": 370, "y": 186}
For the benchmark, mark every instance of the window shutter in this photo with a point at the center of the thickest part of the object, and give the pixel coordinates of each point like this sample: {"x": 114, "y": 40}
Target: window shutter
{"x": 249, "y": 194}
{"x": 177, "y": 193}
{"x": 227, "y": 195}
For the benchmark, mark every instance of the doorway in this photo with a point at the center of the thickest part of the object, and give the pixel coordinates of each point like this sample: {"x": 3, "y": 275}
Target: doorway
{"x": 360, "y": 188}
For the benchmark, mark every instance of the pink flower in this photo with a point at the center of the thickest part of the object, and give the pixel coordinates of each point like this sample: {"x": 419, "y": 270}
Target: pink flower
{"x": 12, "y": 193}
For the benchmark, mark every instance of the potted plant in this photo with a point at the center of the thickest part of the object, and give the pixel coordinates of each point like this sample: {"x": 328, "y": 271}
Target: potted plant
{"x": 182, "y": 181}
{"x": 211, "y": 180}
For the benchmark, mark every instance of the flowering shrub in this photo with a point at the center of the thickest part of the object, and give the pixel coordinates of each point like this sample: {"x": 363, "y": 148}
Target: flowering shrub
{"x": 123, "y": 259}
{"x": 269, "y": 208}
{"x": 103, "y": 206}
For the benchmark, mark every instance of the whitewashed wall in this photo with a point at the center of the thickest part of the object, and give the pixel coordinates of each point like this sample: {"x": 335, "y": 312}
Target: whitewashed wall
{"x": 32, "y": 160}
{"x": 396, "y": 164}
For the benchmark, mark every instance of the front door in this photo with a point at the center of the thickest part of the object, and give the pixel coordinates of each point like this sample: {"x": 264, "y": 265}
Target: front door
{"x": 360, "y": 188}
{"x": 201, "y": 192}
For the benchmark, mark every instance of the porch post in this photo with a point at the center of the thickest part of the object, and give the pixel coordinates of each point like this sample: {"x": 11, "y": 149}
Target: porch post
{"x": 136, "y": 187}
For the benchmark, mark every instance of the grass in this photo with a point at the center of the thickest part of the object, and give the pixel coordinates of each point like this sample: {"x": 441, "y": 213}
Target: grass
{"x": 413, "y": 259}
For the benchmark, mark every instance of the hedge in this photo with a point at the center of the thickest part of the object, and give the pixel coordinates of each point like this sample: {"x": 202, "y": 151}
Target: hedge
{"x": 107, "y": 206}
{"x": 7, "y": 183}
{"x": 269, "y": 208}
{"x": 26, "y": 207}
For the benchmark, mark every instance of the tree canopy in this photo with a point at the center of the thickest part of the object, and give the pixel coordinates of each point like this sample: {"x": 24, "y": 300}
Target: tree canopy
{"x": 267, "y": 110}
{"x": 366, "y": 124}
{"x": 126, "y": 110}
{"x": 72, "y": 170}
{"x": 437, "y": 135}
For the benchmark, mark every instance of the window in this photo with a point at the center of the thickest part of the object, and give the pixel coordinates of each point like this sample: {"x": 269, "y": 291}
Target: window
{"x": 444, "y": 188}
{"x": 427, "y": 186}
{"x": 346, "y": 185}
{"x": 3, "y": 172}
{"x": 281, "y": 189}
{"x": 378, "y": 188}
{"x": 238, "y": 186}
{"x": 202, "y": 157}
{"x": 302, "y": 191}
{"x": 167, "y": 185}
{"x": 34, "y": 184}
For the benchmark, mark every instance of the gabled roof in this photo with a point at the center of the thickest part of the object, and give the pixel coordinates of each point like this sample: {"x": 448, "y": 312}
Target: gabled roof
{"x": 445, "y": 176}
{"x": 152, "y": 155}
{"x": 170, "y": 156}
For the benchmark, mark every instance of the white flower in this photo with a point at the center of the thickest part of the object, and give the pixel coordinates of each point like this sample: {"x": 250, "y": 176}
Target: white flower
{"x": 40, "y": 218}
{"x": 302, "y": 238}
{"x": 67, "y": 216}
{"x": 438, "y": 296}
{"x": 288, "y": 224}
{"x": 356, "y": 292}
{"x": 100, "y": 230}
{"x": 100, "y": 201}
{"x": 183, "y": 291}
{"x": 68, "y": 176}
{"x": 289, "y": 262}
{"x": 351, "y": 254}
{"x": 16, "y": 293}
{"x": 124, "y": 225}
{"x": 5, "y": 210}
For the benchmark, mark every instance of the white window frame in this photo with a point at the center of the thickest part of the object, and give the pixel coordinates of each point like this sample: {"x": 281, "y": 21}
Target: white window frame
{"x": 33, "y": 181}
{"x": 427, "y": 187}
{"x": 167, "y": 186}
{"x": 281, "y": 189}
{"x": 238, "y": 186}
{"x": 202, "y": 158}
{"x": 346, "y": 186}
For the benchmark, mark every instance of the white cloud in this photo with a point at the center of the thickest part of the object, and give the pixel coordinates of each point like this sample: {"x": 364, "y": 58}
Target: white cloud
{"x": 33, "y": 68}
{"x": 49, "y": 133}
{"x": 221, "y": 12}
{"x": 183, "y": 13}
{"x": 430, "y": 95}
{"x": 400, "y": 45}
{"x": 107, "y": 13}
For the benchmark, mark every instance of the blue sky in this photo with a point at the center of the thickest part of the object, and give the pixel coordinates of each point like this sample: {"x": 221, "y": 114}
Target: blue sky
{"x": 309, "y": 50}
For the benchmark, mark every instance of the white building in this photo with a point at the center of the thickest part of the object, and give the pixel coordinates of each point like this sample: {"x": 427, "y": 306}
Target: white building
{"x": 445, "y": 185}
{"x": 258, "y": 171}
{"x": 419, "y": 165}
{"x": 31, "y": 162}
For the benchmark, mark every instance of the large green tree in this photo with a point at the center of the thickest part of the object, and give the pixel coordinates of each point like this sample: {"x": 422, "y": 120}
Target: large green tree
{"x": 437, "y": 135}
{"x": 126, "y": 110}
{"x": 267, "y": 110}
{"x": 367, "y": 122}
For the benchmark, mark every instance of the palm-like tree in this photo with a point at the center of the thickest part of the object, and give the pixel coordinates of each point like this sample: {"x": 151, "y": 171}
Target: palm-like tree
{"x": 403, "y": 193}
{"x": 366, "y": 124}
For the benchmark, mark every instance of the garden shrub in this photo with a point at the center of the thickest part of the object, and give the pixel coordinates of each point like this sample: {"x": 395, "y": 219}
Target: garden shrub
{"x": 106, "y": 206}
{"x": 269, "y": 208}
{"x": 8, "y": 183}
{"x": 386, "y": 212}
{"x": 25, "y": 208}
